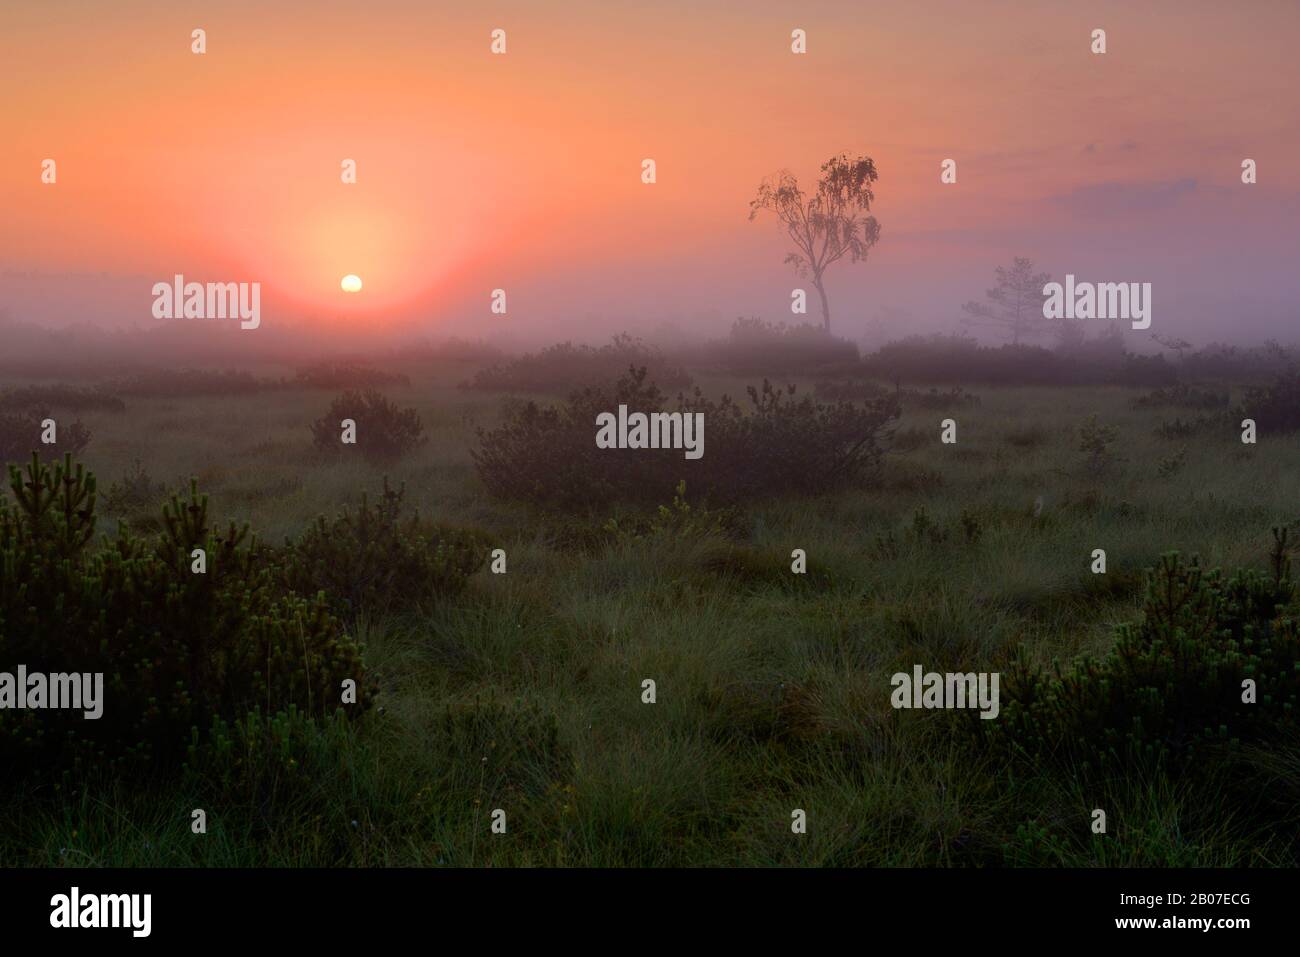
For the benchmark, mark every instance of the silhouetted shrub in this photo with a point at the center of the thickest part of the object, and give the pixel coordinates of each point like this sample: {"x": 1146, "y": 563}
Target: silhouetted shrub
{"x": 565, "y": 367}
{"x": 1276, "y": 407}
{"x": 345, "y": 375}
{"x": 20, "y": 435}
{"x": 783, "y": 444}
{"x": 178, "y": 650}
{"x": 1169, "y": 696}
{"x": 376, "y": 557}
{"x": 383, "y": 431}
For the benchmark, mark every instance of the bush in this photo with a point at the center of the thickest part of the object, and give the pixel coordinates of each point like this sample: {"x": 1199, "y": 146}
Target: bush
{"x": 134, "y": 491}
{"x": 1169, "y": 696}
{"x": 1095, "y": 441}
{"x": 376, "y": 558}
{"x": 20, "y": 435}
{"x": 177, "y": 650}
{"x": 384, "y": 432}
{"x": 1276, "y": 407}
{"x": 784, "y": 445}
{"x": 564, "y": 367}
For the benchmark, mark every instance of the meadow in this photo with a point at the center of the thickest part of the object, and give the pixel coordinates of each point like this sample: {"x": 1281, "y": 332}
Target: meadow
{"x": 524, "y": 691}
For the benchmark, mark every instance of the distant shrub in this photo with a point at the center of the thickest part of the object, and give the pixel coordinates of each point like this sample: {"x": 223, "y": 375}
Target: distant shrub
{"x": 1171, "y": 466}
{"x": 565, "y": 367}
{"x": 954, "y": 398}
{"x": 384, "y": 432}
{"x": 850, "y": 390}
{"x": 1180, "y": 429}
{"x": 911, "y": 439}
{"x": 1169, "y": 695}
{"x": 947, "y": 358}
{"x": 59, "y": 396}
{"x": 1095, "y": 442}
{"x": 1182, "y": 396}
{"x": 1235, "y": 363}
{"x": 783, "y": 444}
{"x": 134, "y": 491}
{"x": 1275, "y": 407}
{"x": 376, "y": 557}
{"x": 157, "y": 383}
{"x": 20, "y": 435}
{"x": 758, "y": 347}
{"x": 1028, "y": 437}
{"x": 177, "y": 650}
{"x": 343, "y": 375}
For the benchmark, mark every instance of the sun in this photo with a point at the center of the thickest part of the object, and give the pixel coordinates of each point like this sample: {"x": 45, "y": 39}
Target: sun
{"x": 351, "y": 283}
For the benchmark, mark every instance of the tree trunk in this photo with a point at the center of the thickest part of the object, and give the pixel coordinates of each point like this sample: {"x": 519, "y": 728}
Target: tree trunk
{"x": 826, "y": 308}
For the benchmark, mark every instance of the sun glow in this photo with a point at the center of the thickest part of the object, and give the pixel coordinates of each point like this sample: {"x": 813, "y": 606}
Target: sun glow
{"x": 351, "y": 283}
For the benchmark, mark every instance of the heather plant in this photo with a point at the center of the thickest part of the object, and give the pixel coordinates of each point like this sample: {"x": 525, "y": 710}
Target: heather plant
{"x": 178, "y": 647}
{"x": 383, "y": 431}
{"x": 782, "y": 443}
{"x": 1172, "y": 694}
{"x": 377, "y": 557}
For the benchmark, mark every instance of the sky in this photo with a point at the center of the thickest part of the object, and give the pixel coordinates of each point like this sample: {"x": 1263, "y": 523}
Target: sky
{"x": 522, "y": 171}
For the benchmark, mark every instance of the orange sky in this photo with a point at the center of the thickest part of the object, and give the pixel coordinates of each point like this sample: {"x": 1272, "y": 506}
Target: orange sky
{"x": 522, "y": 171}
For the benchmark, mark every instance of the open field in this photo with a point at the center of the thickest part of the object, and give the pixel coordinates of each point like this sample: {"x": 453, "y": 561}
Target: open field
{"x": 525, "y": 691}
